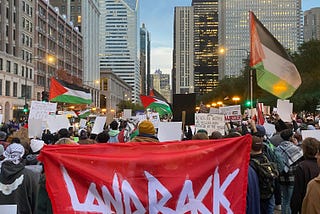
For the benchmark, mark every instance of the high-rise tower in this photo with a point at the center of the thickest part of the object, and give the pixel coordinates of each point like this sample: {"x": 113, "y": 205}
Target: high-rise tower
{"x": 281, "y": 18}
{"x": 183, "y": 54}
{"x": 119, "y": 41}
{"x": 311, "y": 27}
{"x": 145, "y": 59}
{"x": 205, "y": 45}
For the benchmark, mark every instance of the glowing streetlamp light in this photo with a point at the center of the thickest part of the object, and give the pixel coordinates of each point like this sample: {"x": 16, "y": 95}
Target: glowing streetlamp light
{"x": 235, "y": 99}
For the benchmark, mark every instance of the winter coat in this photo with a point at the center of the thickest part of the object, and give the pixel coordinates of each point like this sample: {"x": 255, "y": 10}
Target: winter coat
{"x": 145, "y": 138}
{"x": 113, "y": 136}
{"x": 305, "y": 171}
{"x": 310, "y": 204}
{"x": 253, "y": 193}
{"x": 19, "y": 186}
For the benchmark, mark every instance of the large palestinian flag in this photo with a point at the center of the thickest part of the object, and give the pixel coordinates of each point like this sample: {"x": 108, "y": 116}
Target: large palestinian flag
{"x": 157, "y": 105}
{"x": 61, "y": 91}
{"x": 275, "y": 71}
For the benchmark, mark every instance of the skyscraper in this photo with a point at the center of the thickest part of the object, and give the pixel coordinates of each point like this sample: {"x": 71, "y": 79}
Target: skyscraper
{"x": 311, "y": 27}
{"x": 145, "y": 59}
{"x": 281, "y": 18}
{"x": 119, "y": 41}
{"x": 205, "y": 45}
{"x": 183, "y": 54}
{"x": 85, "y": 15}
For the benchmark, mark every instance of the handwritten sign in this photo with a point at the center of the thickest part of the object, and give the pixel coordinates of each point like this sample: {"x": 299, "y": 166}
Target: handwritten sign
{"x": 210, "y": 122}
{"x": 231, "y": 113}
{"x": 41, "y": 110}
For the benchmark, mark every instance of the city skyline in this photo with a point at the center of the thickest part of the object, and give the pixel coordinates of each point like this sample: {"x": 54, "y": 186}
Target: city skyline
{"x": 158, "y": 18}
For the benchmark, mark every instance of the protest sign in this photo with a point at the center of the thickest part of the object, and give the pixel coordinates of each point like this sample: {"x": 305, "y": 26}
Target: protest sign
{"x": 152, "y": 116}
{"x": 98, "y": 125}
{"x": 127, "y": 113}
{"x": 41, "y": 110}
{"x": 210, "y": 122}
{"x": 83, "y": 123}
{"x": 284, "y": 110}
{"x": 169, "y": 131}
{"x": 35, "y": 128}
{"x": 177, "y": 177}
{"x": 231, "y": 113}
{"x": 57, "y": 122}
{"x": 310, "y": 133}
{"x": 9, "y": 208}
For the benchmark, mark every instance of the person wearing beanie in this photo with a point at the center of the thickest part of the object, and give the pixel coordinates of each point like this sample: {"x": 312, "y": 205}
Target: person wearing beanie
{"x": 291, "y": 154}
{"x": 146, "y": 132}
{"x": 113, "y": 132}
{"x": 18, "y": 185}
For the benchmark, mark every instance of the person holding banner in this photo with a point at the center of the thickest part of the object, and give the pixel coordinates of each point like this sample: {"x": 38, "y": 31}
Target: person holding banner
{"x": 18, "y": 185}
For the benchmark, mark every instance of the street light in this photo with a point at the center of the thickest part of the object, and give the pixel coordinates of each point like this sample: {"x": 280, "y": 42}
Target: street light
{"x": 235, "y": 99}
{"x": 223, "y": 51}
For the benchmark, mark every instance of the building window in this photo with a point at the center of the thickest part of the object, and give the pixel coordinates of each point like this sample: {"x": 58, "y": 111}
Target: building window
{"x": 7, "y": 88}
{"x": 0, "y": 87}
{"x": 8, "y": 66}
{"x": 15, "y": 89}
{"x": 1, "y": 64}
{"x": 15, "y": 68}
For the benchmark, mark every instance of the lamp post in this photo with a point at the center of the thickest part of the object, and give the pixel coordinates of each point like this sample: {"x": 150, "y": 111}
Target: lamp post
{"x": 223, "y": 50}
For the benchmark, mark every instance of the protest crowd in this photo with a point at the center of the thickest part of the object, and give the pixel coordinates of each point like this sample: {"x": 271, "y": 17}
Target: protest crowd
{"x": 283, "y": 172}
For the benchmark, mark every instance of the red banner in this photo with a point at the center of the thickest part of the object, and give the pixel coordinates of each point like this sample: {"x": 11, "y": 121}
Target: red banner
{"x": 201, "y": 176}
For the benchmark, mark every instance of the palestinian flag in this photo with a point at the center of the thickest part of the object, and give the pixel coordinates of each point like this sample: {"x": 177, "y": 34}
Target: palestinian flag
{"x": 275, "y": 71}
{"x": 84, "y": 114}
{"x": 157, "y": 105}
{"x": 61, "y": 91}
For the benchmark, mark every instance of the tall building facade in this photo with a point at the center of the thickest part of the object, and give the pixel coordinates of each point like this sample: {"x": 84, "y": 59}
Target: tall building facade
{"x": 145, "y": 41}
{"x": 311, "y": 27}
{"x": 119, "y": 41}
{"x": 281, "y": 18}
{"x": 55, "y": 38}
{"x": 206, "y": 75}
{"x": 161, "y": 83}
{"x": 183, "y": 54}
{"x": 85, "y": 15}
{"x": 16, "y": 42}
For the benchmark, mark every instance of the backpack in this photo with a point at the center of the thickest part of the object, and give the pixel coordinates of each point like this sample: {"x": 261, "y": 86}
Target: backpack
{"x": 272, "y": 155}
{"x": 267, "y": 172}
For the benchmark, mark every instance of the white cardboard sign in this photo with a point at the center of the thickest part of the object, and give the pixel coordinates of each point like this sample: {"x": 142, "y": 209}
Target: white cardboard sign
{"x": 57, "y": 122}
{"x": 41, "y": 110}
{"x": 310, "y": 133}
{"x": 210, "y": 122}
{"x": 98, "y": 125}
{"x": 284, "y": 110}
{"x": 169, "y": 131}
{"x": 231, "y": 113}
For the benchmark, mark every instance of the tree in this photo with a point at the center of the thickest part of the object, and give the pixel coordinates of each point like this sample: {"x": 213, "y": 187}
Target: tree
{"x": 124, "y": 104}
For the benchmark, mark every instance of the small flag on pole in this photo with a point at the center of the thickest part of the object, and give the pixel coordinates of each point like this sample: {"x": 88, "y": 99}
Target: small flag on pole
{"x": 275, "y": 71}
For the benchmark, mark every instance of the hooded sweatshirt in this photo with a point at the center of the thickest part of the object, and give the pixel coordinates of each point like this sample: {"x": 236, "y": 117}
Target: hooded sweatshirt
{"x": 113, "y": 136}
{"x": 18, "y": 185}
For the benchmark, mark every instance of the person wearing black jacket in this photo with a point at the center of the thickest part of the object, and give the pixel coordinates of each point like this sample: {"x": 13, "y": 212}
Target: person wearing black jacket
{"x": 305, "y": 171}
{"x": 18, "y": 185}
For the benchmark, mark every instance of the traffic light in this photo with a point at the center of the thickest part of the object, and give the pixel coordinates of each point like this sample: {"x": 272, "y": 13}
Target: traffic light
{"x": 25, "y": 108}
{"x": 247, "y": 103}
{"x": 45, "y": 96}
